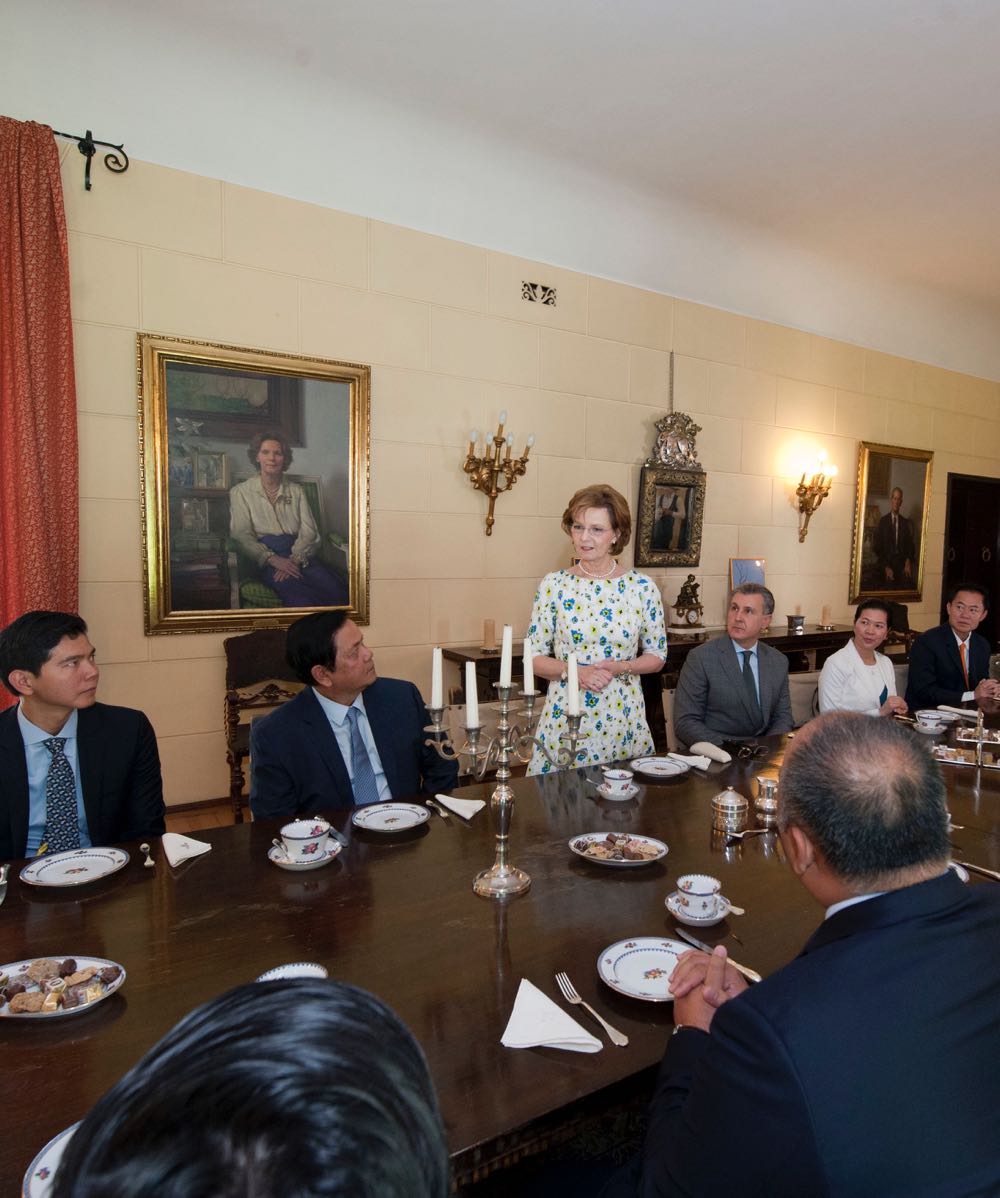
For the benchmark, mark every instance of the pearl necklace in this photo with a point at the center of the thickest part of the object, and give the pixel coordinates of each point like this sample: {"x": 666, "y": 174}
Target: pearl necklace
{"x": 590, "y": 574}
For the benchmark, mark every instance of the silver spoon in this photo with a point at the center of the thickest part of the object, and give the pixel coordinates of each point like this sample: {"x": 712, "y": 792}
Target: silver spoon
{"x": 149, "y": 863}
{"x": 731, "y": 836}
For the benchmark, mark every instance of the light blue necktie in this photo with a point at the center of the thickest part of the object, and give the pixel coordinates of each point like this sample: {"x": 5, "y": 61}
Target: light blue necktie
{"x": 62, "y": 828}
{"x": 363, "y": 776}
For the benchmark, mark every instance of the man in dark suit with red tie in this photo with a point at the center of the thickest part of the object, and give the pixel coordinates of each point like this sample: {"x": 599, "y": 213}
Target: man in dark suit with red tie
{"x": 950, "y": 664}
{"x": 895, "y": 547}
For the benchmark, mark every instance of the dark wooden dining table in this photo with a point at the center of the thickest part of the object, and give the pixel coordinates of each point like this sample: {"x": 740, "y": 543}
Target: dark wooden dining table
{"x": 397, "y": 915}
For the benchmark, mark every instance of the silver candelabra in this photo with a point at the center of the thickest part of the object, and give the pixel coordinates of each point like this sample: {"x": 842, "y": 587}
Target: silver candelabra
{"x": 502, "y": 879}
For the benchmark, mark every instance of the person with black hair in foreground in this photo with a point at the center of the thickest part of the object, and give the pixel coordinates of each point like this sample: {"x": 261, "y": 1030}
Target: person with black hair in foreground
{"x": 298, "y": 1088}
{"x": 349, "y": 738}
{"x": 868, "y": 1065}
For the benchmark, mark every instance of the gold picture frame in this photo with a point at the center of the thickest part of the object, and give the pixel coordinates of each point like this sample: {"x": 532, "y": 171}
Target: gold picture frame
{"x": 887, "y": 555}
{"x": 669, "y": 519}
{"x": 207, "y": 567}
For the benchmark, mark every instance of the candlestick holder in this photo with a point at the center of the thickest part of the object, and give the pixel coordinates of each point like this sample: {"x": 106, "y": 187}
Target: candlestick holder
{"x": 502, "y": 880}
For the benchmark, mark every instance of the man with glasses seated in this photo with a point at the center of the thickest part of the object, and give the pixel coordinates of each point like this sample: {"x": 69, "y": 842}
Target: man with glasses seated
{"x": 951, "y": 664}
{"x": 733, "y": 687}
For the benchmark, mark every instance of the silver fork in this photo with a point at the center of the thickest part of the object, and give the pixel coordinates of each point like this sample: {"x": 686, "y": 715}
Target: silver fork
{"x": 435, "y": 807}
{"x": 570, "y": 995}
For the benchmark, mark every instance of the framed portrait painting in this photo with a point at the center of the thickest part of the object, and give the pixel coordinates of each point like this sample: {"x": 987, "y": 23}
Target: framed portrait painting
{"x": 669, "y": 519}
{"x": 890, "y": 523}
{"x": 254, "y": 471}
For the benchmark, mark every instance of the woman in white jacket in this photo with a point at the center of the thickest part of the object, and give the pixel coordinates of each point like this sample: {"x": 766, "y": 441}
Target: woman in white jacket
{"x": 857, "y": 678}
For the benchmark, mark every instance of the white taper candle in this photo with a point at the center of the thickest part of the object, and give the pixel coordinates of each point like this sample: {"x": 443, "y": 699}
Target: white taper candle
{"x": 471, "y": 696}
{"x": 506, "y": 652}
{"x": 572, "y": 686}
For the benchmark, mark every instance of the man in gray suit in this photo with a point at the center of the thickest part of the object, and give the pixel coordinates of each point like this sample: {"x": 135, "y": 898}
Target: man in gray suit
{"x": 733, "y": 687}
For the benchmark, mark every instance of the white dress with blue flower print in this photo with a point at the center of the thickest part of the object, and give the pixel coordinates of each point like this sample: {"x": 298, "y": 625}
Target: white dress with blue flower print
{"x": 615, "y": 619}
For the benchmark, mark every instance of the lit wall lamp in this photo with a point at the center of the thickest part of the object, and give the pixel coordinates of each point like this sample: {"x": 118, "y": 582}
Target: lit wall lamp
{"x": 492, "y": 473}
{"x": 812, "y": 493}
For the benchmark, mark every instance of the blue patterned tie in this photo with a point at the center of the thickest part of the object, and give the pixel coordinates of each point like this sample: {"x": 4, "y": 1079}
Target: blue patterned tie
{"x": 362, "y": 774}
{"x": 62, "y": 828}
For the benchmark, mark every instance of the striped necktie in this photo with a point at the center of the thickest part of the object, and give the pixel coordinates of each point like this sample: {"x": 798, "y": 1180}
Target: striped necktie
{"x": 965, "y": 664}
{"x": 362, "y": 775}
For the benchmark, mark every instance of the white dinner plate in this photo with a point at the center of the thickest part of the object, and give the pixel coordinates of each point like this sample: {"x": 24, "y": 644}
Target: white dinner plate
{"x": 660, "y": 767}
{"x": 278, "y": 858}
{"x": 42, "y": 1170}
{"x": 640, "y": 967}
{"x": 578, "y": 845}
{"x": 75, "y": 867}
{"x": 60, "y": 1012}
{"x": 697, "y": 921}
{"x": 390, "y": 817}
{"x": 962, "y": 872}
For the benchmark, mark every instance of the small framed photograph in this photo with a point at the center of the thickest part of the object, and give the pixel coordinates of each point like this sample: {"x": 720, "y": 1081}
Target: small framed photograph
{"x": 194, "y": 515}
{"x": 746, "y": 569}
{"x": 211, "y": 470}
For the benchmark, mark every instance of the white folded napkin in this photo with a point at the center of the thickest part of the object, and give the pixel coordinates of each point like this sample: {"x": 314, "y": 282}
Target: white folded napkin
{"x": 699, "y": 762}
{"x": 179, "y": 848}
{"x": 713, "y": 752}
{"x": 536, "y": 1022}
{"x": 466, "y": 808}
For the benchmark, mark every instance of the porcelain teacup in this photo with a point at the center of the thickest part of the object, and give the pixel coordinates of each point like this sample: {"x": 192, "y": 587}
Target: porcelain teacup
{"x": 618, "y": 782}
{"x": 305, "y": 839}
{"x": 698, "y": 894}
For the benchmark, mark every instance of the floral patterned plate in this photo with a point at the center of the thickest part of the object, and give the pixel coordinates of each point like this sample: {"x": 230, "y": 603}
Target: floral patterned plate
{"x": 390, "y": 817}
{"x": 42, "y": 1170}
{"x": 75, "y": 867}
{"x": 640, "y": 967}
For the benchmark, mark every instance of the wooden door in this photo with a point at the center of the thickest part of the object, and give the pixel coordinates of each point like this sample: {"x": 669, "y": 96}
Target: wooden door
{"x": 972, "y": 542}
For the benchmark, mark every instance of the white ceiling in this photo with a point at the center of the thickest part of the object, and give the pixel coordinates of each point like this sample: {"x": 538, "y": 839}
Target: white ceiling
{"x": 859, "y": 135}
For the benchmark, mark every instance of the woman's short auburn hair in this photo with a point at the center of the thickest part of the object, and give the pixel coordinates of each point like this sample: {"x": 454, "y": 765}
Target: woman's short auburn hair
{"x": 258, "y": 439}
{"x": 605, "y": 496}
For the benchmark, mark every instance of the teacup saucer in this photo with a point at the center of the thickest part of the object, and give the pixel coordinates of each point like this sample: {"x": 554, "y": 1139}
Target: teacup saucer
{"x": 275, "y": 855}
{"x": 697, "y": 921}
{"x": 930, "y": 729}
{"x": 618, "y": 796}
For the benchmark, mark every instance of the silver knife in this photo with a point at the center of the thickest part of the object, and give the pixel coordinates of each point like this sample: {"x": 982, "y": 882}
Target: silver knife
{"x": 751, "y": 975}
{"x": 3, "y": 881}
{"x": 976, "y": 869}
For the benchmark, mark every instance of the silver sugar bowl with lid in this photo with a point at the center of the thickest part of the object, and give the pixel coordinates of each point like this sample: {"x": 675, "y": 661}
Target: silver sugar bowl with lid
{"x": 729, "y": 811}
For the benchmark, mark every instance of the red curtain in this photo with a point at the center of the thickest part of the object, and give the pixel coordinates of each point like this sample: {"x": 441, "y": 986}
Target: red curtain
{"x": 39, "y": 505}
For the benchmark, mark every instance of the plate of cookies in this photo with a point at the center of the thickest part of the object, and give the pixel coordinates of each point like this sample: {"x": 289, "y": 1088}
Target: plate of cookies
{"x": 617, "y": 849}
{"x": 49, "y": 987}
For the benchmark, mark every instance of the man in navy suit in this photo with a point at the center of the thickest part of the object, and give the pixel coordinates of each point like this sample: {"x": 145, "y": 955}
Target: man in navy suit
{"x": 868, "y": 1065}
{"x": 73, "y": 772}
{"x": 951, "y": 663}
{"x": 733, "y": 687}
{"x": 349, "y": 738}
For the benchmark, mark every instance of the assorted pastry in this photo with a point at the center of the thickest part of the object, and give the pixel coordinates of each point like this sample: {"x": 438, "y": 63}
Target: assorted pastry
{"x": 46, "y": 985}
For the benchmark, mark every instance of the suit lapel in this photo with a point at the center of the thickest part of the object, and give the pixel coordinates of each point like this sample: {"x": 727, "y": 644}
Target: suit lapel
{"x": 381, "y": 723}
{"x": 314, "y": 716}
{"x": 14, "y": 780}
{"x": 90, "y": 749}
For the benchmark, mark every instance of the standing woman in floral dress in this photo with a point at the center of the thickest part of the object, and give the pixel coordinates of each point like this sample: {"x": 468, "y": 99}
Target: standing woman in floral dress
{"x": 611, "y": 617}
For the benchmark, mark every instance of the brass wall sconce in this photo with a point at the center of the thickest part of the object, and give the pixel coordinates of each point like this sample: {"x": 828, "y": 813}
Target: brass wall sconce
{"x": 812, "y": 493}
{"x": 496, "y": 471}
